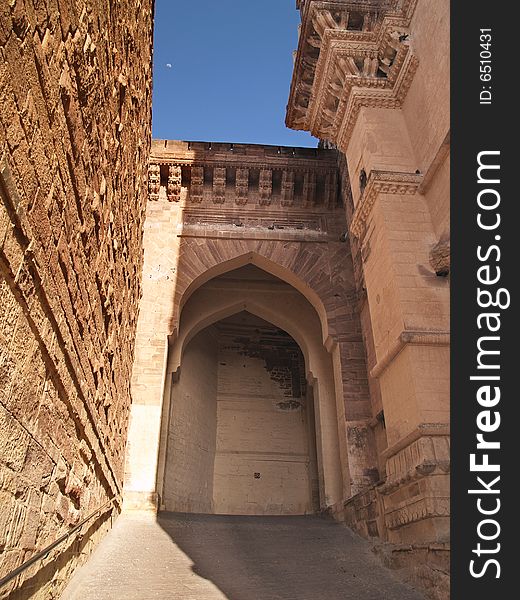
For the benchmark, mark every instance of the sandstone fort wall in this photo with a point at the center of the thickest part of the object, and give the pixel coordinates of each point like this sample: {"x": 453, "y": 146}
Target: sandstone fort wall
{"x": 75, "y": 125}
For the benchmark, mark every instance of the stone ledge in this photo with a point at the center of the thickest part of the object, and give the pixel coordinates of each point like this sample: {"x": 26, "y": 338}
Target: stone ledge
{"x": 418, "y": 338}
{"x": 382, "y": 182}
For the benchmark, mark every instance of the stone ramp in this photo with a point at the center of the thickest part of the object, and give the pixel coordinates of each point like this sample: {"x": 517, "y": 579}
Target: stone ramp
{"x": 213, "y": 557}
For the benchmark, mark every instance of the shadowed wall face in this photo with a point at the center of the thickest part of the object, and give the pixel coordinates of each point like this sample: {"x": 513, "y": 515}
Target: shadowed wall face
{"x": 75, "y": 106}
{"x": 188, "y": 485}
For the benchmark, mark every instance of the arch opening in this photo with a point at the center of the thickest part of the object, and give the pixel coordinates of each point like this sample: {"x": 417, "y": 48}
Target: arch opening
{"x": 241, "y": 429}
{"x": 256, "y": 262}
{"x": 192, "y": 363}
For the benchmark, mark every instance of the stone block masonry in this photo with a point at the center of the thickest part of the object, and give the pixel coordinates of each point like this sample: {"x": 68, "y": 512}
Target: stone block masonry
{"x": 371, "y": 79}
{"x": 75, "y": 116}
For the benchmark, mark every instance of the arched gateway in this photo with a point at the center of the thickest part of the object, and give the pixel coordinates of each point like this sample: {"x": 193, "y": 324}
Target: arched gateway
{"x": 234, "y": 275}
{"x": 246, "y": 375}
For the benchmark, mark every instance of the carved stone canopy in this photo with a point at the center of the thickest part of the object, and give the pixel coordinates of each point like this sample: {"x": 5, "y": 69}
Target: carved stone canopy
{"x": 350, "y": 54}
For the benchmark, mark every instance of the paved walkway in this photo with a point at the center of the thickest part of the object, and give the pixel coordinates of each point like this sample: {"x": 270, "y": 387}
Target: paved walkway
{"x": 209, "y": 557}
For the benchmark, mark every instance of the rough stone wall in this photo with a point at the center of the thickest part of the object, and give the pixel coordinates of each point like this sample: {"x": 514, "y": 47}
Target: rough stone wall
{"x": 75, "y": 100}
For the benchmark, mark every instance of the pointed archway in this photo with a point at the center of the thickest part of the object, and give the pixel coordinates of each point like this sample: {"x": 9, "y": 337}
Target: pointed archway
{"x": 268, "y": 299}
{"x": 241, "y": 435}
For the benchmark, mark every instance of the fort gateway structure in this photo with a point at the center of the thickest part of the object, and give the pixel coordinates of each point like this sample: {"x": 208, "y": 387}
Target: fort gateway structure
{"x": 218, "y": 328}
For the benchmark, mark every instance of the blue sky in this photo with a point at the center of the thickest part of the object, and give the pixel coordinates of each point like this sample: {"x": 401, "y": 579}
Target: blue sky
{"x": 231, "y": 66}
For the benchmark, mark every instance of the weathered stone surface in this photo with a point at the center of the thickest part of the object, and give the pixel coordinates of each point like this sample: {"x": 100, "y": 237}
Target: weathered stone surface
{"x": 75, "y": 99}
{"x": 370, "y": 79}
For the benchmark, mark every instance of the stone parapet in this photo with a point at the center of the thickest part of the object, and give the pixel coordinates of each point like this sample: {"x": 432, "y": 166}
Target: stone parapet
{"x": 242, "y": 175}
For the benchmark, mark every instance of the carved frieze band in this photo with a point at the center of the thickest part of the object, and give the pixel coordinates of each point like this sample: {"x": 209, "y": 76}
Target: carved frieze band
{"x": 428, "y": 456}
{"x": 424, "y": 456}
{"x": 424, "y": 508}
{"x": 240, "y": 184}
{"x": 381, "y": 182}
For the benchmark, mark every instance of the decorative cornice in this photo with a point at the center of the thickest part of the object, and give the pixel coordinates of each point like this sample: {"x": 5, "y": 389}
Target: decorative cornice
{"x": 417, "y": 338}
{"x": 423, "y": 508}
{"x": 381, "y": 182}
{"x": 256, "y": 156}
{"x": 421, "y": 431}
{"x": 244, "y": 178}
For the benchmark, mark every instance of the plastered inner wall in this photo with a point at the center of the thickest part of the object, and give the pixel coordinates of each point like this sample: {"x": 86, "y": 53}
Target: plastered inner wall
{"x": 262, "y": 457}
{"x": 75, "y": 107}
{"x": 192, "y": 432}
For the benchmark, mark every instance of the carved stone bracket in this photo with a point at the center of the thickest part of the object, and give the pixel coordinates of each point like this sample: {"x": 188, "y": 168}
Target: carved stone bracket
{"x": 381, "y": 182}
{"x": 390, "y": 96}
{"x": 219, "y": 185}
{"x": 287, "y": 188}
{"x": 265, "y": 186}
{"x": 154, "y": 181}
{"x": 417, "y": 484}
{"x": 242, "y": 186}
{"x": 197, "y": 184}
{"x": 174, "y": 183}
{"x": 349, "y": 55}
